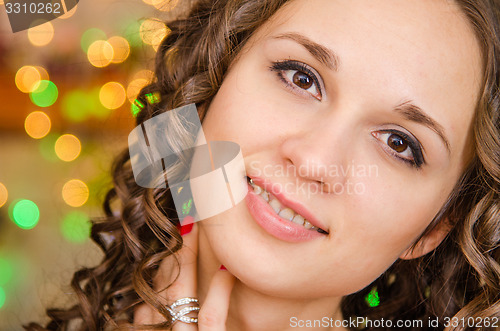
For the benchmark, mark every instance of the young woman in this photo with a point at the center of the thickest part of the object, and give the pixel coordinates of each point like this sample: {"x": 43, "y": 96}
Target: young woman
{"x": 386, "y": 111}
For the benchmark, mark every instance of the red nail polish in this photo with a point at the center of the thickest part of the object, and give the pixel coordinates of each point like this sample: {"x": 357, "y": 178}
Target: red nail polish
{"x": 222, "y": 267}
{"x": 185, "y": 229}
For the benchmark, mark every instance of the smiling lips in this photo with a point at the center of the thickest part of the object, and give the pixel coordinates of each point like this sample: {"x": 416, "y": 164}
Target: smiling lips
{"x": 277, "y": 218}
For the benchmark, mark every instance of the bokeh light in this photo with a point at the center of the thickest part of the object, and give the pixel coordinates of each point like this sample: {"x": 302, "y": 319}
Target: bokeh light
{"x": 132, "y": 34}
{"x": 25, "y": 214}
{"x": 45, "y": 94}
{"x": 2, "y": 297}
{"x": 4, "y": 195}
{"x": 90, "y": 36}
{"x": 152, "y": 32}
{"x": 134, "y": 87}
{"x": 41, "y": 35}
{"x": 75, "y": 105}
{"x": 6, "y": 271}
{"x": 112, "y": 95}
{"x": 69, "y": 13}
{"x": 46, "y": 147}
{"x": 75, "y": 193}
{"x": 76, "y": 226}
{"x": 37, "y": 124}
{"x": 28, "y": 78}
{"x": 68, "y": 147}
{"x": 121, "y": 49}
{"x": 100, "y": 53}
{"x": 165, "y": 5}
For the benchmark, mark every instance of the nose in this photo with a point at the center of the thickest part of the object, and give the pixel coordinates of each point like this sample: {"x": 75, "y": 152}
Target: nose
{"x": 318, "y": 153}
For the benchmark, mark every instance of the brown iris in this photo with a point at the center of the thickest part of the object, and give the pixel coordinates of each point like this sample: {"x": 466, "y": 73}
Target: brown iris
{"x": 397, "y": 143}
{"x": 302, "y": 80}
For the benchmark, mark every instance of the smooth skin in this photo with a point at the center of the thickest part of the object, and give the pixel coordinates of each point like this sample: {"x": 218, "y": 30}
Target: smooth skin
{"x": 387, "y": 52}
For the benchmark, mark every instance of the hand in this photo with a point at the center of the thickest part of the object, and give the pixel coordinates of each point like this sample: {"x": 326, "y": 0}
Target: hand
{"x": 213, "y": 313}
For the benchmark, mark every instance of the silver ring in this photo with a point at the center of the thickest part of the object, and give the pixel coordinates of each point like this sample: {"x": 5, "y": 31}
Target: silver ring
{"x": 180, "y": 315}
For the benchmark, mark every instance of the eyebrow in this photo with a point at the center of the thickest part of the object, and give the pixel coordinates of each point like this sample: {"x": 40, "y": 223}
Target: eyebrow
{"x": 323, "y": 54}
{"x": 415, "y": 114}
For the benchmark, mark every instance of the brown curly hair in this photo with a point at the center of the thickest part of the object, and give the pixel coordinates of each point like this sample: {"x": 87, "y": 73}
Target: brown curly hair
{"x": 460, "y": 278}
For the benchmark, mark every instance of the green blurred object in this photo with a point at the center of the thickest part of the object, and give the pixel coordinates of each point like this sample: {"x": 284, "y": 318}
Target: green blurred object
{"x": 76, "y": 226}
{"x": 132, "y": 33}
{"x": 6, "y": 271}
{"x": 45, "y": 95}
{"x": 75, "y": 106}
{"x": 25, "y": 214}
{"x": 91, "y": 35}
{"x": 136, "y": 107}
{"x": 372, "y": 298}
{"x": 46, "y": 147}
{"x": 153, "y": 97}
{"x": 2, "y": 297}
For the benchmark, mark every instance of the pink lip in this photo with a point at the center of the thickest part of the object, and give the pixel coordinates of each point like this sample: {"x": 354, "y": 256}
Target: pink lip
{"x": 276, "y": 226}
{"x": 276, "y": 190}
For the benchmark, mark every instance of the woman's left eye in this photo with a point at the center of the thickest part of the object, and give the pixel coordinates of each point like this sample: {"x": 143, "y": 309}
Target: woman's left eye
{"x": 402, "y": 146}
{"x": 298, "y": 76}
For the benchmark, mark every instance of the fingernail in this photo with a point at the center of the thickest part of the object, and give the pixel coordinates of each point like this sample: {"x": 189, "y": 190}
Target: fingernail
{"x": 222, "y": 267}
{"x": 185, "y": 229}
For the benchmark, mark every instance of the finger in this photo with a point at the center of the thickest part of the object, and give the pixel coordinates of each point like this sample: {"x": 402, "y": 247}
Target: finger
{"x": 185, "y": 285}
{"x": 182, "y": 286}
{"x": 213, "y": 313}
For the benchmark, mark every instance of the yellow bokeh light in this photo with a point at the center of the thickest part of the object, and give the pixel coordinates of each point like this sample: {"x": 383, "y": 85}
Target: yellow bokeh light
{"x": 75, "y": 193}
{"x": 152, "y": 32}
{"x": 37, "y": 124}
{"x": 68, "y": 147}
{"x": 135, "y": 87}
{"x": 4, "y": 194}
{"x": 68, "y": 14}
{"x": 42, "y": 34}
{"x": 100, "y": 53}
{"x": 165, "y": 5}
{"x": 28, "y": 78}
{"x": 112, "y": 95}
{"x": 121, "y": 49}
{"x": 144, "y": 74}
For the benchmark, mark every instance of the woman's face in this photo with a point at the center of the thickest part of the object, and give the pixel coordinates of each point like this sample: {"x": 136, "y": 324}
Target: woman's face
{"x": 360, "y": 113}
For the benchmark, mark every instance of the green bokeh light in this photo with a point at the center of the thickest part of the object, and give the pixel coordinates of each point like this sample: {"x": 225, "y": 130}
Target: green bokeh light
{"x": 25, "y": 214}
{"x": 132, "y": 33}
{"x": 75, "y": 227}
{"x": 6, "y": 271}
{"x": 2, "y": 297}
{"x": 45, "y": 95}
{"x": 136, "y": 107}
{"x": 75, "y": 106}
{"x": 96, "y": 107}
{"x": 46, "y": 147}
{"x": 91, "y": 35}
{"x": 372, "y": 298}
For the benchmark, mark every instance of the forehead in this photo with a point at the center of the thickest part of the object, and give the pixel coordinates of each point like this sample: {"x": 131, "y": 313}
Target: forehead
{"x": 424, "y": 50}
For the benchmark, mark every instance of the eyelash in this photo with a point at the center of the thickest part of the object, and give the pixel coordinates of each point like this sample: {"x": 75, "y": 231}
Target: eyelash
{"x": 281, "y": 66}
{"x": 414, "y": 145}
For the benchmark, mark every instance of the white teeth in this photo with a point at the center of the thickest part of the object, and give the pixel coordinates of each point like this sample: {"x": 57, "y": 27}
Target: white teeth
{"x": 257, "y": 189}
{"x": 287, "y": 214}
{"x": 299, "y": 220}
{"x": 275, "y": 205}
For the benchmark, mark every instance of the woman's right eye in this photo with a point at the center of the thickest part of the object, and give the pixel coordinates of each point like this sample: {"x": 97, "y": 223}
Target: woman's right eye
{"x": 299, "y": 76}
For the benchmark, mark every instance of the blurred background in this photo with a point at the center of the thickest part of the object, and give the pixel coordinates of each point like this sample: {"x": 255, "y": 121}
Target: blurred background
{"x": 67, "y": 91}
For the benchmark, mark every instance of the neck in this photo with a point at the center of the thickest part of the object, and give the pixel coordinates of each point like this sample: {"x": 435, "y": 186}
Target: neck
{"x": 251, "y": 310}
